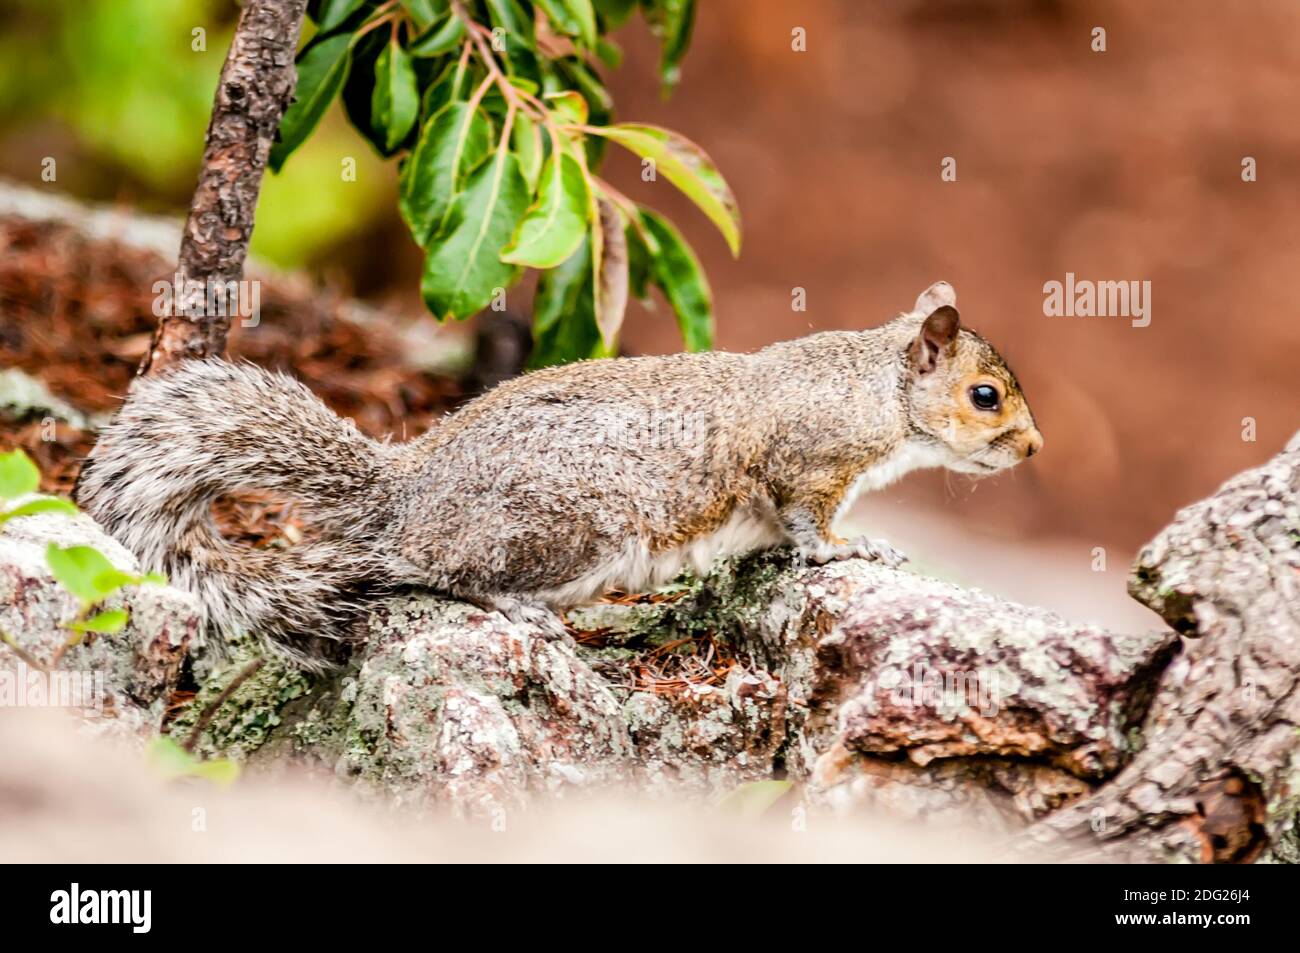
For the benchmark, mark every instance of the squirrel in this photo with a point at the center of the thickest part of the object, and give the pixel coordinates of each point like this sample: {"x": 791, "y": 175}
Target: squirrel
{"x": 554, "y": 486}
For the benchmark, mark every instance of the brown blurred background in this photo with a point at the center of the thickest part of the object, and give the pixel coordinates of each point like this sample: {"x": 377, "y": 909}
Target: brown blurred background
{"x": 1116, "y": 165}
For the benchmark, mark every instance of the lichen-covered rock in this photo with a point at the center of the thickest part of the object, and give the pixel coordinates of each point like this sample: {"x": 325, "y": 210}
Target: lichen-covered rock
{"x": 909, "y": 665}
{"x": 903, "y": 691}
{"x": 450, "y": 706}
{"x": 241, "y": 703}
{"x": 446, "y": 706}
{"x": 1219, "y": 776}
{"x": 23, "y": 395}
{"x": 120, "y": 680}
{"x": 708, "y": 738}
{"x": 995, "y": 794}
{"x": 873, "y": 685}
{"x": 835, "y": 673}
{"x": 477, "y": 711}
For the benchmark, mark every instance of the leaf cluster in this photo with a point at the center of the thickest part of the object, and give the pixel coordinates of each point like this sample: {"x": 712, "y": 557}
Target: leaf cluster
{"x": 498, "y": 118}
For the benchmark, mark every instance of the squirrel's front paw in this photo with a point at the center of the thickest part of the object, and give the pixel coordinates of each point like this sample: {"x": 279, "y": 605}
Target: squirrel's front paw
{"x": 877, "y": 550}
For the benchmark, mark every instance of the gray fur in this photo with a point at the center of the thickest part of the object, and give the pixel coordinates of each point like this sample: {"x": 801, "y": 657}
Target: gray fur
{"x": 542, "y": 493}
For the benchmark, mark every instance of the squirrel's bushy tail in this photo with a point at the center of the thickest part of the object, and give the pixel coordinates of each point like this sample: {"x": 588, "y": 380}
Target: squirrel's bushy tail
{"x": 210, "y": 428}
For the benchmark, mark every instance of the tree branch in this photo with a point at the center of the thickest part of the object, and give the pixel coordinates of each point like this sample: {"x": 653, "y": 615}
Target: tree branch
{"x": 256, "y": 86}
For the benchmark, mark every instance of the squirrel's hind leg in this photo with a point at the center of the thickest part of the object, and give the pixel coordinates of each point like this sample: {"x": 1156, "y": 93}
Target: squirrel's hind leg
{"x": 528, "y": 612}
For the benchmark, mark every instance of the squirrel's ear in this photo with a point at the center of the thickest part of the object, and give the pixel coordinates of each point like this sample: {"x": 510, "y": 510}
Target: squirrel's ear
{"x": 936, "y": 337}
{"x": 936, "y": 296}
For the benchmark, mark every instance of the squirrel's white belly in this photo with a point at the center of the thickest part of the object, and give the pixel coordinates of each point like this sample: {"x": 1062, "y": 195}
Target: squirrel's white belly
{"x": 743, "y": 532}
{"x": 902, "y": 461}
{"x": 636, "y": 569}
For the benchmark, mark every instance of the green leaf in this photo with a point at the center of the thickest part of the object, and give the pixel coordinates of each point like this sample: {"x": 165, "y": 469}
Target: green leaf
{"x": 113, "y": 580}
{"x": 85, "y": 572}
{"x": 463, "y": 269}
{"x": 220, "y": 771}
{"x": 425, "y": 12}
{"x": 553, "y": 228}
{"x": 440, "y": 38}
{"x": 359, "y": 89}
{"x": 520, "y": 41}
{"x": 451, "y": 86}
{"x": 614, "y": 13}
{"x": 586, "y": 16}
{"x": 640, "y": 262}
{"x": 677, "y": 272}
{"x": 395, "y": 104}
{"x": 569, "y": 107}
{"x": 672, "y": 22}
{"x": 751, "y": 801}
{"x": 322, "y": 70}
{"x": 564, "y": 319}
{"x": 527, "y": 85}
{"x": 452, "y": 143}
{"x": 495, "y": 105}
{"x": 609, "y": 52}
{"x": 110, "y": 620}
{"x": 557, "y": 11}
{"x": 18, "y": 475}
{"x": 597, "y": 96}
{"x": 167, "y": 758}
{"x": 526, "y": 141}
{"x": 686, "y": 166}
{"x": 573, "y": 17}
{"x": 333, "y": 12}
{"x": 436, "y": 96}
{"x": 49, "y": 504}
{"x": 600, "y": 105}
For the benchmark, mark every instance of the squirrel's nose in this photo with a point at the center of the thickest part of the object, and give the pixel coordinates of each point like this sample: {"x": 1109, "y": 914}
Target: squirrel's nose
{"x": 1033, "y": 442}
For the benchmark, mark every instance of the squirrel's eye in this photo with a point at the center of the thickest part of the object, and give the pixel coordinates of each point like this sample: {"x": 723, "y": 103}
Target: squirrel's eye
{"x": 984, "y": 396}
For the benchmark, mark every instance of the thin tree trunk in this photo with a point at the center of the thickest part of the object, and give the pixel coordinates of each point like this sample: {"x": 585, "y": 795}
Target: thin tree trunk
{"x": 256, "y": 86}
